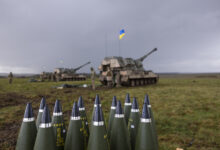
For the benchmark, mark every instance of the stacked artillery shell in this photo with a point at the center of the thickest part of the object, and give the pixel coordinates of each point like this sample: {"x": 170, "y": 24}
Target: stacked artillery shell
{"x": 28, "y": 131}
{"x": 45, "y": 137}
{"x": 74, "y": 139}
{"x": 147, "y": 101}
{"x": 111, "y": 116}
{"x": 98, "y": 139}
{"x": 58, "y": 126}
{"x": 127, "y": 107}
{"x": 144, "y": 139}
{"x": 97, "y": 102}
{"x": 119, "y": 139}
{"x": 134, "y": 122}
{"x": 83, "y": 117}
{"x": 41, "y": 109}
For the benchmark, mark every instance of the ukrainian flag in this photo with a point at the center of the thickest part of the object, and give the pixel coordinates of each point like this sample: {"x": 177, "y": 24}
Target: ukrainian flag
{"x": 122, "y": 34}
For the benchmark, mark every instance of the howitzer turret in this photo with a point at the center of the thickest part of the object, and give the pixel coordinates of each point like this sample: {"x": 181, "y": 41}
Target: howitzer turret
{"x": 126, "y": 71}
{"x": 69, "y": 74}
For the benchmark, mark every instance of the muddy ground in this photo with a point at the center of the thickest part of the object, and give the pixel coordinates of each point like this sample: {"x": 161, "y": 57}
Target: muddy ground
{"x": 9, "y": 128}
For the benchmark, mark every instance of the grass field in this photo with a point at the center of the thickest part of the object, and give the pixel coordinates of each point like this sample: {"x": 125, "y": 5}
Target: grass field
{"x": 186, "y": 110}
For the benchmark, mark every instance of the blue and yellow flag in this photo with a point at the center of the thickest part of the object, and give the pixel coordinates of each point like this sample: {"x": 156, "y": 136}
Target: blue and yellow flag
{"x": 122, "y": 34}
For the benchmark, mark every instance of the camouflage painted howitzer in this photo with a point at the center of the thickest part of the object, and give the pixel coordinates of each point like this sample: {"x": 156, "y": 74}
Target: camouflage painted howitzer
{"x": 126, "y": 71}
{"x": 69, "y": 74}
{"x": 47, "y": 76}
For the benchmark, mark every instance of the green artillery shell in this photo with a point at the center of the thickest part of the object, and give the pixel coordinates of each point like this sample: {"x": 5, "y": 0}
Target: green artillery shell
{"x": 134, "y": 122}
{"x": 83, "y": 117}
{"x": 119, "y": 136}
{"x": 98, "y": 139}
{"x": 45, "y": 137}
{"x": 97, "y": 102}
{"x": 58, "y": 126}
{"x": 111, "y": 116}
{"x": 28, "y": 131}
{"x": 147, "y": 101}
{"x": 144, "y": 139}
{"x": 127, "y": 108}
{"x": 75, "y": 139}
{"x": 41, "y": 109}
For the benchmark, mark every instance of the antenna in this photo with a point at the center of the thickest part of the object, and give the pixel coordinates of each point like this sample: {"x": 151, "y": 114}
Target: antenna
{"x": 106, "y": 44}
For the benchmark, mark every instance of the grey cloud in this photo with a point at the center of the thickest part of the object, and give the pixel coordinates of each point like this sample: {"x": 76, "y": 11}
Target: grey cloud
{"x": 37, "y": 34}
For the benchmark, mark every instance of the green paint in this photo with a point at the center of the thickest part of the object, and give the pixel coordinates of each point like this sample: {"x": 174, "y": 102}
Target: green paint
{"x": 45, "y": 139}
{"x": 38, "y": 121}
{"x": 110, "y": 122}
{"x": 98, "y": 139}
{"x": 59, "y": 131}
{"x": 127, "y": 111}
{"x": 74, "y": 138}
{"x": 133, "y": 125}
{"x": 120, "y": 139}
{"x": 144, "y": 139}
{"x": 27, "y": 136}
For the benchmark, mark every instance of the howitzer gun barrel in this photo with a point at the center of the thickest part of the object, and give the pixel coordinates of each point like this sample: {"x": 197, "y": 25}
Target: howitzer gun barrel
{"x": 75, "y": 69}
{"x": 145, "y": 56}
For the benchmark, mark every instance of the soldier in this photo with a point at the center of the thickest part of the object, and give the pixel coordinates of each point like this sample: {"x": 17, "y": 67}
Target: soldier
{"x": 10, "y": 77}
{"x": 109, "y": 77}
{"x": 114, "y": 74}
{"x": 118, "y": 79}
{"x": 57, "y": 76}
{"x": 93, "y": 77}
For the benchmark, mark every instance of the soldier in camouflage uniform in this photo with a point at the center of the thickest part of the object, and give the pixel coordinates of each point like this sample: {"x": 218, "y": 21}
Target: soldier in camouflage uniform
{"x": 118, "y": 79}
{"x": 93, "y": 77}
{"x": 10, "y": 78}
{"x": 109, "y": 77}
{"x": 57, "y": 76}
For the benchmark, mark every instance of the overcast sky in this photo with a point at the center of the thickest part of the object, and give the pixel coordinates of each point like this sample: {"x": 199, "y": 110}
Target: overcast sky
{"x": 36, "y": 35}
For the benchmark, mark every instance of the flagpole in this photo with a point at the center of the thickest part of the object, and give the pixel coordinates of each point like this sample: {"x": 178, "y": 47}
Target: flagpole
{"x": 119, "y": 47}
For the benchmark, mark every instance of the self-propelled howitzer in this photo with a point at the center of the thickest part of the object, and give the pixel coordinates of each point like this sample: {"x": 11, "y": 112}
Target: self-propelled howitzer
{"x": 126, "y": 71}
{"x": 69, "y": 74}
{"x": 69, "y": 70}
